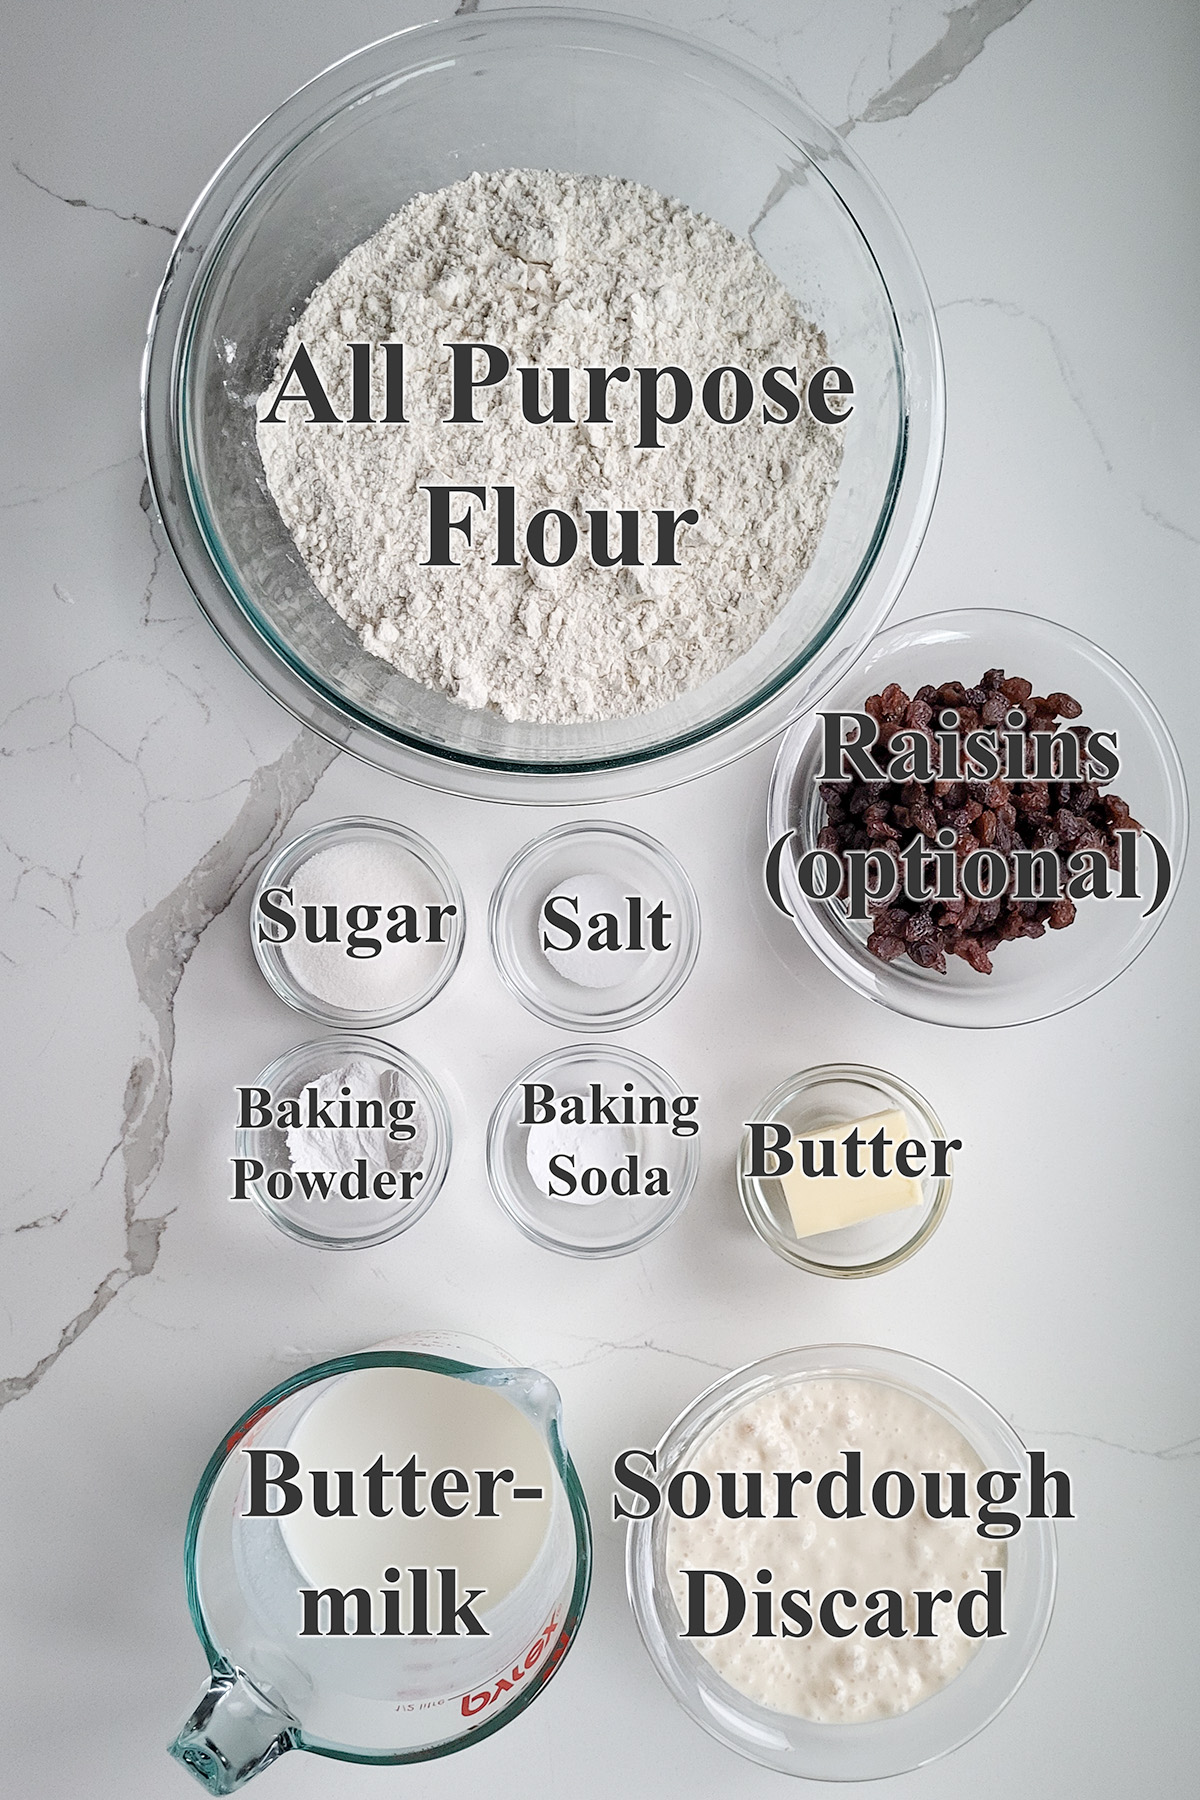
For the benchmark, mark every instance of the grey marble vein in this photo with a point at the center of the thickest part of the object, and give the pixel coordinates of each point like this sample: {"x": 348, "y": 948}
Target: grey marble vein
{"x": 968, "y": 29}
{"x": 146, "y": 503}
{"x": 39, "y": 1224}
{"x": 36, "y": 499}
{"x": 93, "y": 205}
{"x": 1181, "y": 1452}
{"x": 605, "y": 1347}
{"x": 785, "y": 181}
{"x": 73, "y": 730}
{"x": 1011, "y": 310}
{"x": 1159, "y": 518}
{"x": 160, "y": 945}
{"x": 67, "y": 882}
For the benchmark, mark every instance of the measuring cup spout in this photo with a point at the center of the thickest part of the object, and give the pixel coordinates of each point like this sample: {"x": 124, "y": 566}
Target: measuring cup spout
{"x": 537, "y": 1397}
{"x": 233, "y": 1733}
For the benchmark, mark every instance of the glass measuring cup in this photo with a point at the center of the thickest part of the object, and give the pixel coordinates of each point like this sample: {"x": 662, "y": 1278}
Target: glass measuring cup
{"x": 366, "y": 1699}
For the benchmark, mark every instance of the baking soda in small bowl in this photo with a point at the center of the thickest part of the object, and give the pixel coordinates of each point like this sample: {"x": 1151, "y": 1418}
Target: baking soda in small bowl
{"x": 593, "y": 1150}
{"x": 358, "y": 922}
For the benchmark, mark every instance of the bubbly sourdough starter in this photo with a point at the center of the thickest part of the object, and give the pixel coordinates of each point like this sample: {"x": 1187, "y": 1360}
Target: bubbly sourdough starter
{"x": 807, "y": 1425}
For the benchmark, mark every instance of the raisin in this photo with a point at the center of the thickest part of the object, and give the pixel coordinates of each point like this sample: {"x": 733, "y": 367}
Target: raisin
{"x": 887, "y": 949}
{"x": 971, "y": 950}
{"x": 1002, "y": 815}
{"x": 929, "y": 955}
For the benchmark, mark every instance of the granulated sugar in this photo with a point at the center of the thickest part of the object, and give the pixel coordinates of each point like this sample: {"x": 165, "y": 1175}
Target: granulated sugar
{"x": 349, "y": 874}
{"x": 559, "y": 270}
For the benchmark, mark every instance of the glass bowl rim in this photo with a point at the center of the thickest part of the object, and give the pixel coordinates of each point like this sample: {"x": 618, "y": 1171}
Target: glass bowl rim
{"x": 434, "y": 1365}
{"x": 499, "y": 1121}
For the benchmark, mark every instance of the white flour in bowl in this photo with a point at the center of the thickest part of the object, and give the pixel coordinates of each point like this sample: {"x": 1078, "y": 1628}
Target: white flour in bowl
{"x": 560, "y": 271}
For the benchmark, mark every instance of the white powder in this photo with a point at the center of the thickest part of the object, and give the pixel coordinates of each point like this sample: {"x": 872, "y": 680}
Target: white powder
{"x": 338, "y": 1148}
{"x": 366, "y": 872}
{"x": 558, "y": 270}
{"x": 590, "y": 968}
{"x": 592, "y": 1146}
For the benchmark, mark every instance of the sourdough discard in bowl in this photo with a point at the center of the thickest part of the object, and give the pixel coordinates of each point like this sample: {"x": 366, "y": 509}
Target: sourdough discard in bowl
{"x": 811, "y": 1737}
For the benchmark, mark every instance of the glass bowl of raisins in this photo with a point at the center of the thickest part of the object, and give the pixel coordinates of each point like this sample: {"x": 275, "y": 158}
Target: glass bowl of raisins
{"x": 984, "y": 823}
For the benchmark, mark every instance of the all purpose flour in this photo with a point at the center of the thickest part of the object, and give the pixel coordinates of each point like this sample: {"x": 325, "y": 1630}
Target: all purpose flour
{"x": 558, "y": 270}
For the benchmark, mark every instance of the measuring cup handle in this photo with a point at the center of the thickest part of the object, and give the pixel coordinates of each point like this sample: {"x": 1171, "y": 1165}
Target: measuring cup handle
{"x": 233, "y": 1733}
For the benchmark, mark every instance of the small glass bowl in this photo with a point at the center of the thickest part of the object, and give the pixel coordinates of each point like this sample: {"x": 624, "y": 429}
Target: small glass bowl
{"x": 610, "y": 1224}
{"x": 336, "y": 1223}
{"x": 827, "y": 1095}
{"x": 879, "y": 1747}
{"x": 632, "y": 864}
{"x": 1029, "y": 980}
{"x": 438, "y": 886}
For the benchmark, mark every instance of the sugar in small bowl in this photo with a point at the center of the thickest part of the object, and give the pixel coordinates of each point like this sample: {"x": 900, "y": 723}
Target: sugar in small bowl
{"x": 358, "y": 922}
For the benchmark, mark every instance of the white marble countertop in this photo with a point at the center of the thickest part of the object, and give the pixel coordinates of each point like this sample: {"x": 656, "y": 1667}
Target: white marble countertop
{"x": 1042, "y": 155}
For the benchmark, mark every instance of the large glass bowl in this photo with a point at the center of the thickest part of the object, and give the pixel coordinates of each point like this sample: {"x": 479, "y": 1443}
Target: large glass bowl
{"x": 560, "y": 89}
{"x": 879, "y": 1747}
{"x": 1030, "y": 979}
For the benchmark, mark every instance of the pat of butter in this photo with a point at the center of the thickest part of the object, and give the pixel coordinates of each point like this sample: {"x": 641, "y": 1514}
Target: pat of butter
{"x": 828, "y": 1202}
